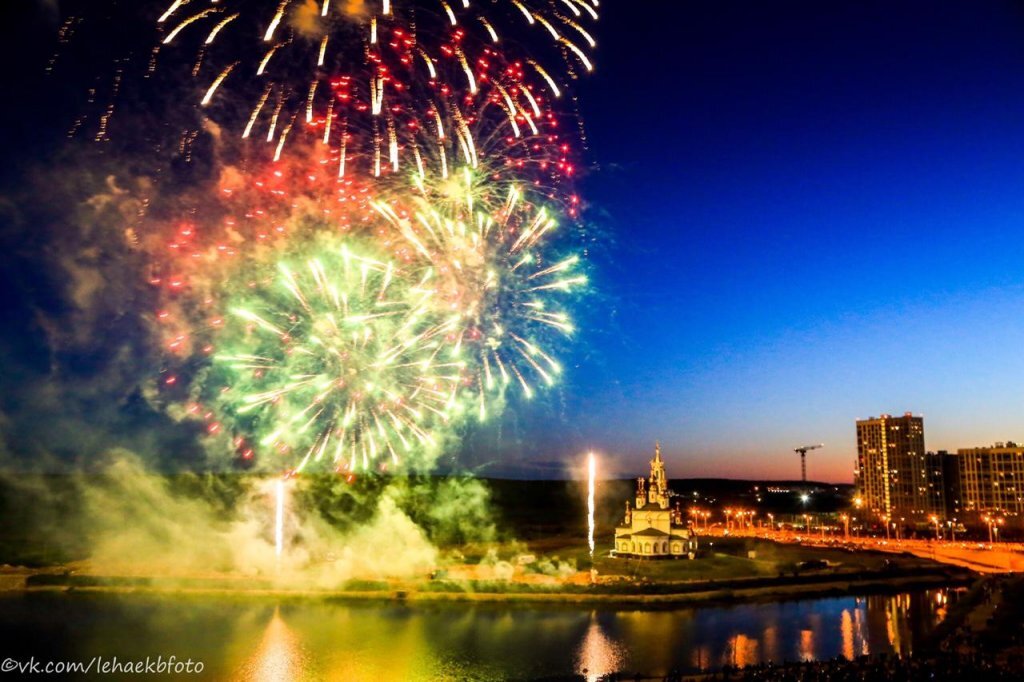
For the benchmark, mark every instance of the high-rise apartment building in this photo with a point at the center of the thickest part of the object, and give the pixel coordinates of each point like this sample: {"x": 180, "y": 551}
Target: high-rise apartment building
{"x": 992, "y": 479}
{"x": 896, "y": 478}
{"x": 951, "y": 478}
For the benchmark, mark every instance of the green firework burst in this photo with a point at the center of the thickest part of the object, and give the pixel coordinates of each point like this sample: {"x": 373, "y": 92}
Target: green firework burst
{"x": 337, "y": 357}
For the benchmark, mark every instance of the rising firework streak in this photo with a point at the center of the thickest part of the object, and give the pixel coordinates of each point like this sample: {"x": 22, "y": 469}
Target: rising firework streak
{"x": 279, "y": 519}
{"x": 591, "y": 474}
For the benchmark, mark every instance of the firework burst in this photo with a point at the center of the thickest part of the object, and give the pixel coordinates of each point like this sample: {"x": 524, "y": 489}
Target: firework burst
{"x": 385, "y": 256}
{"x": 493, "y": 271}
{"x": 334, "y": 359}
{"x": 389, "y": 85}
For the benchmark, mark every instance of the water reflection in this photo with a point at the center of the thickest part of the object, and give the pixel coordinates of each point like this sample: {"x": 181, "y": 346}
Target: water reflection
{"x": 279, "y": 655}
{"x": 597, "y": 655}
{"x": 241, "y": 638}
{"x": 806, "y": 645}
{"x": 846, "y": 627}
{"x": 742, "y": 650}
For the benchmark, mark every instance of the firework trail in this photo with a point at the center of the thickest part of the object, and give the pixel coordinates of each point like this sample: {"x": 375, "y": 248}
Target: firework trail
{"x": 388, "y": 86}
{"x": 279, "y": 494}
{"x": 591, "y": 475}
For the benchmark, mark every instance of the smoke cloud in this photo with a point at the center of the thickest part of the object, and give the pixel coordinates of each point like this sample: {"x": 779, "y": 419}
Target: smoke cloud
{"x": 120, "y": 519}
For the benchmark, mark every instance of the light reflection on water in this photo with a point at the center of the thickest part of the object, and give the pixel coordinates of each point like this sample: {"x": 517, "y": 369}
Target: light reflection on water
{"x": 279, "y": 655}
{"x": 597, "y": 655}
{"x": 315, "y": 639}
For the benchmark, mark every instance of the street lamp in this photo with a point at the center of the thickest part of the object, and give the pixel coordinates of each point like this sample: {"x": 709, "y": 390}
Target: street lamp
{"x": 846, "y": 526}
{"x": 807, "y": 522}
{"x": 938, "y": 529}
{"x": 988, "y": 519}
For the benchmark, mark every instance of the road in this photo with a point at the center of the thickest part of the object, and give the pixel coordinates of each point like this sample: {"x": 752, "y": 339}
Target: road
{"x": 983, "y": 557}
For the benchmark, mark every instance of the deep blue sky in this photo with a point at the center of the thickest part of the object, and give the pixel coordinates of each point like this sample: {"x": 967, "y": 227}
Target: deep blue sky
{"x": 816, "y": 210}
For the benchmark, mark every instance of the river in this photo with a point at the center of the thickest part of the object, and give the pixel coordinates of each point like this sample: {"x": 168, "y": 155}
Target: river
{"x": 316, "y": 639}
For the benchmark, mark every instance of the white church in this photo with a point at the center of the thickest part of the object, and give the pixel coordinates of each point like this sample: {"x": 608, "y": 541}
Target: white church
{"x": 654, "y": 530}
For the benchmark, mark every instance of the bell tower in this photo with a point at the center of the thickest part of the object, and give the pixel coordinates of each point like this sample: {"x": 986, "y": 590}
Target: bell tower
{"x": 657, "y": 493}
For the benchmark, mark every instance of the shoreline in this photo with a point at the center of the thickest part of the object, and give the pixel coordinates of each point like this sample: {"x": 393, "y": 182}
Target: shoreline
{"x": 708, "y": 593}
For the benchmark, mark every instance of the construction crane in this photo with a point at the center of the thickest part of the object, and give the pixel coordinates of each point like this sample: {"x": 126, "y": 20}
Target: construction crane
{"x": 803, "y": 458}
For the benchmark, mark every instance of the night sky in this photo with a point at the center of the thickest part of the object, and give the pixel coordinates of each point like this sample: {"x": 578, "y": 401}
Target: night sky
{"x": 803, "y": 213}
{"x": 817, "y": 218}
